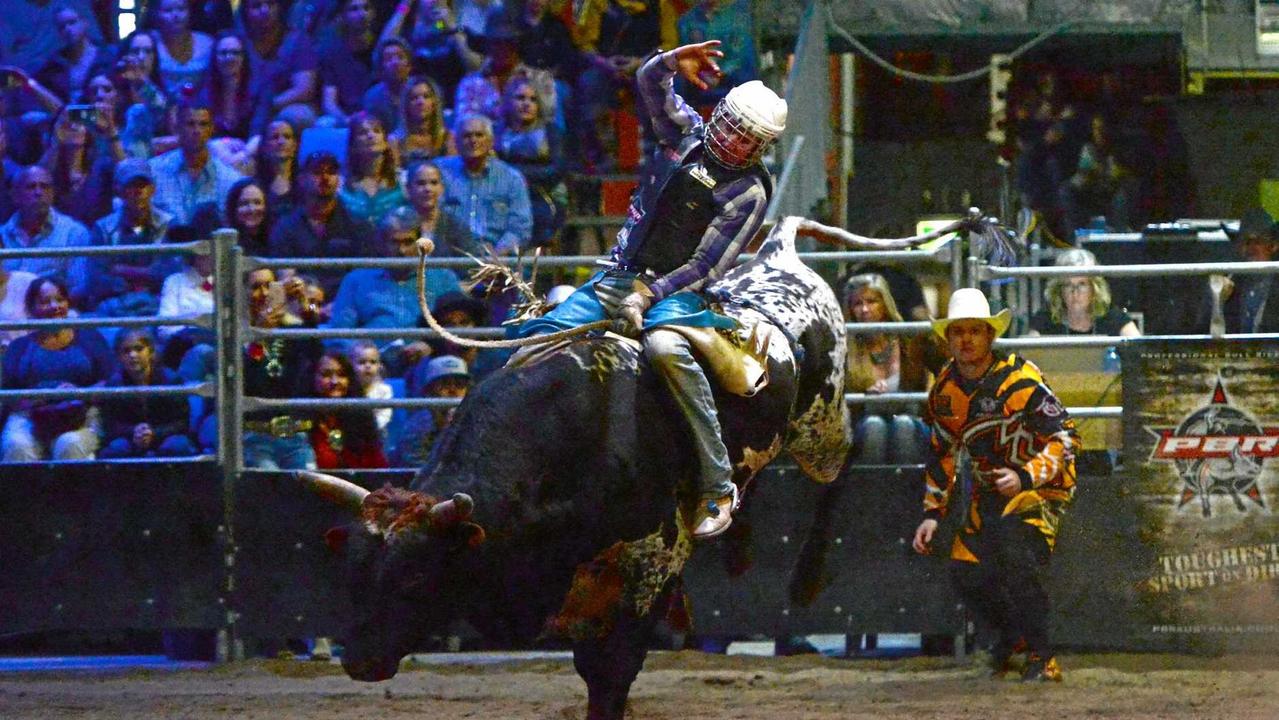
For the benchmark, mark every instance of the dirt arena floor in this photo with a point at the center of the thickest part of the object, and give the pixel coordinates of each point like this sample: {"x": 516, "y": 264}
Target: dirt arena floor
{"x": 674, "y": 686}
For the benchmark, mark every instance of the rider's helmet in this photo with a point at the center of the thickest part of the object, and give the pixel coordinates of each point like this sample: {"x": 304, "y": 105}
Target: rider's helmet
{"x": 744, "y": 124}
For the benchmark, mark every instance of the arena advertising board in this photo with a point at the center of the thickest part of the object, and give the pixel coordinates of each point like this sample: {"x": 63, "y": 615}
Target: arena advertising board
{"x": 1201, "y": 424}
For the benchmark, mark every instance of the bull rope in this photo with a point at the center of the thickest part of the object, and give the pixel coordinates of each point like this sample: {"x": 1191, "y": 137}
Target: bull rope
{"x": 991, "y": 239}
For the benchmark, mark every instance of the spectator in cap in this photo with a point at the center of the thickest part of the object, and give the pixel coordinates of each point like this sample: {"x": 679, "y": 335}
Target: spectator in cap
{"x": 190, "y": 174}
{"x": 1245, "y": 299}
{"x": 119, "y": 285}
{"x": 458, "y": 310}
{"x": 320, "y": 225}
{"x": 446, "y": 376}
{"x": 387, "y": 297}
{"x": 481, "y": 91}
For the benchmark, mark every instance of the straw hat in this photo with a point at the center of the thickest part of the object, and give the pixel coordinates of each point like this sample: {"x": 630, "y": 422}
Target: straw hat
{"x": 971, "y": 304}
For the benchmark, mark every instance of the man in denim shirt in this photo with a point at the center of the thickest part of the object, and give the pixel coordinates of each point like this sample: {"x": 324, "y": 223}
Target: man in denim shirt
{"x": 37, "y": 224}
{"x": 486, "y": 194}
{"x": 190, "y": 175}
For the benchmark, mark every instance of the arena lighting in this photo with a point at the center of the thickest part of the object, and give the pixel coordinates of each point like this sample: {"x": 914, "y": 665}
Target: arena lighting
{"x": 126, "y": 17}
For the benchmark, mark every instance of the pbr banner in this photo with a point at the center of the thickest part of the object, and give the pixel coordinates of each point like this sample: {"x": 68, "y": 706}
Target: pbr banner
{"x": 1201, "y": 424}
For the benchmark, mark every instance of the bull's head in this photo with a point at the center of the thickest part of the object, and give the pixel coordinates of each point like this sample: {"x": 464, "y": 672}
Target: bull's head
{"x": 399, "y": 553}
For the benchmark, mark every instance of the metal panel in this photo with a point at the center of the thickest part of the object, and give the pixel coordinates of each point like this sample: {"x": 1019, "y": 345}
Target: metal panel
{"x": 138, "y": 546}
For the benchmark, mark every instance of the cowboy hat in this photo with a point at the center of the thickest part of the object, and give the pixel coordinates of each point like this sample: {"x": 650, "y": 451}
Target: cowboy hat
{"x": 971, "y": 304}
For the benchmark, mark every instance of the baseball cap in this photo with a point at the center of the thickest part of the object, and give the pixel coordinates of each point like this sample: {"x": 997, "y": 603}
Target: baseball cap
{"x": 441, "y": 367}
{"x": 320, "y": 158}
{"x": 130, "y": 169}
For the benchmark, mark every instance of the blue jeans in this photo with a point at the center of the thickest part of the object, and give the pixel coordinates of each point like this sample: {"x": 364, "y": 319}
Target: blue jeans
{"x": 263, "y": 451}
{"x": 172, "y": 446}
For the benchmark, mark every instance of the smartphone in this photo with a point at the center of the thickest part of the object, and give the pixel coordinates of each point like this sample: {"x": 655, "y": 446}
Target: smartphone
{"x": 275, "y": 296}
{"x": 86, "y": 115}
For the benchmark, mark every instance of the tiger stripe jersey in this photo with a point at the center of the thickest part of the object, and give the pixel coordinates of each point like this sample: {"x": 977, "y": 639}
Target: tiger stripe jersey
{"x": 1007, "y": 418}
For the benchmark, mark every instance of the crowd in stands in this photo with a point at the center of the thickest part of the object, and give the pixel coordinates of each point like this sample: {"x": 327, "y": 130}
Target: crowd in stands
{"x": 314, "y": 128}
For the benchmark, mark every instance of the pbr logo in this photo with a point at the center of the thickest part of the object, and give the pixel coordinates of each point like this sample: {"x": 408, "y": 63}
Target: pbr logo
{"x": 1217, "y": 449}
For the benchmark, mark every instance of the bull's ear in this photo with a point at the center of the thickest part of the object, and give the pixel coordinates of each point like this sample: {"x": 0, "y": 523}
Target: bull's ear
{"x": 336, "y": 539}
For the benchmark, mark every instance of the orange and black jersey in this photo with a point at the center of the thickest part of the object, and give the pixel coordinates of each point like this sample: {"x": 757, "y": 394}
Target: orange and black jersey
{"x": 1007, "y": 418}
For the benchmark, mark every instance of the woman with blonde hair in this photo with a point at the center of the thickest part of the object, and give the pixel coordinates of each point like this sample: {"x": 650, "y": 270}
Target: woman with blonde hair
{"x": 372, "y": 187}
{"x": 422, "y": 134}
{"x": 1080, "y": 304}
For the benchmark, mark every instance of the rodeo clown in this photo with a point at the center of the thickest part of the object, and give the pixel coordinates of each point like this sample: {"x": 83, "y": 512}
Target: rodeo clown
{"x": 701, "y": 199}
{"x": 1022, "y": 444}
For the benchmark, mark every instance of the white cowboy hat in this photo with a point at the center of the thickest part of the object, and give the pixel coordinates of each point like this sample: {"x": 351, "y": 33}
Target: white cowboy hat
{"x": 971, "y": 304}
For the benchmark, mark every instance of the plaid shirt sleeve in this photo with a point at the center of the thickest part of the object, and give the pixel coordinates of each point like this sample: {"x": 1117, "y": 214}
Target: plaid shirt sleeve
{"x": 670, "y": 117}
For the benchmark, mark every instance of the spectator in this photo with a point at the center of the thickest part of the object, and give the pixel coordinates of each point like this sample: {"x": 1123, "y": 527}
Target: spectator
{"x": 68, "y": 357}
{"x": 730, "y": 22}
{"x": 345, "y": 50}
{"x": 276, "y": 369}
{"x": 124, "y": 285}
{"x": 225, "y": 89}
{"x": 82, "y": 167}
{"x": 421, "y": 134}
{"x": 321, "y": 225}
{"x": 346, "y": 438}
{"x": 190, "y": 175}
{"x": 444, "y": 377}
{"x": 1245, "y": 298}
{"x": 451, "y": 236}
{"x": 393, "y": 63}
{"x": 386, "y": 297}
{"x": 189, "y": 290}
{"x": 312, "y": 297}
{"x": 439, "y": 45}
{"x": 459, "y": 310}
{"x": 283, "y": 65}
{"x": 9, "y": 170}
{"x": 1080, "y": 305}
{"x": 370, "y": 372}
{"x": 183, "y": 55}
{"x": 31, "y": 36}
{"x": 545, "y": 42}
{"x": 24, "y": 84}
{"x": 486, "y": 193}
{"x": 480, "y": 92}
{"x": 615, "y": 36}
{"x": 276, "y": 164}
{"x": 13, "y": 290}
{"x": 144, "y": 99}
{"x": 36, "y": 224}
{"x": 1102, "y": 184}
{"x": 372, "y": 184}
{"x": 536, "y": 149}
{"x": 886, "y": 363}
{"x": 66, "y": 73}
{"x": 248, "y": 213}
{"x": 147, "y": 425}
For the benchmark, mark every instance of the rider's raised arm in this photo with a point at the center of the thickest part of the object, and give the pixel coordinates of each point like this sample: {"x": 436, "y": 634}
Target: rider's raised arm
{"x": 666, "y": 112}
{"x": 743, "y": 202}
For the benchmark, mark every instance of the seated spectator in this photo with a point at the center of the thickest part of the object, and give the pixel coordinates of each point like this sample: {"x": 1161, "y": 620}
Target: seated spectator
{"x": 67, "y": 72}
{"x": 312, "y": 299}
{"x": 457, "y": 309}
{"x": 189, "y": 290}
{"x": 143, "y": 426}
{"x": 730, "y": 22}
{"x": 439, "y": 45}
{"x": 146, "y": 105}
{"x": 190, "y": 174}
{"x": 1080, "y": 305}
{"x": 372, "y": 184}
{"x": 346, "y": 438}
{"x": 392, "y": 60}
{"x": 451, "y": 236}
{"x": 9, "y": 170}
{"x": 370, "y": 372}
{"x": 545, "y": 42}
{"x": 283, "y": 66}
{"x": 81, "y": 158}
{"x": 1245, "y": 298}
{"x": 275, "y": 166}
{"x": 125, "y": 285}
{"x": 69, "y": 357}
{"x": 907, "y": 292}
{"x": 886, "y": 363}
{"x": 487, "y": 193}
{"x": 346, "y": 54}
{"x": 421, "y": 133}
{"x": 248, "y": 213}
{"x": 1102, "y": 183}
{"x": 443, "y": 377}
{"x": 182, "y": 54}
{"x": 276, "y": 368}
{"x": 13, "y": 291}
{"x": 36, "y": 224}
{"x": 536, "y": 149}
{"x": 225, "y": 90}
{"x": 480, "y": 92}
{"x": 320, "y": 225}
{"x": 386, "y": 297}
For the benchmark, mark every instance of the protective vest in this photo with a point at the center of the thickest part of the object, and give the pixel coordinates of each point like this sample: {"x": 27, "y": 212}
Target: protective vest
{"x": 674, "y": 205}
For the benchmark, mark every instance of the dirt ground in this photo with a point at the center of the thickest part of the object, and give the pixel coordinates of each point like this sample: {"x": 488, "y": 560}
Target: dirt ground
{"x": 673, "y": 686}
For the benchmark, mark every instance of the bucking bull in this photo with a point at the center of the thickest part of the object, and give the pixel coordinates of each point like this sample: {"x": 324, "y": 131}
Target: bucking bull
{"x": 558, "y": 501}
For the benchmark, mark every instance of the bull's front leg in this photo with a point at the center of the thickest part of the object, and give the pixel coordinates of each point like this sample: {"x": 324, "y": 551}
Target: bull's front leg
{"x": 609, "y": 665}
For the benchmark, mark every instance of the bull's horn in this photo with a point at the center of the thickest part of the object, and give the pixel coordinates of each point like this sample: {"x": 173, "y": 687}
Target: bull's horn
{"x": 335, "y": 489}
{"x": 452, "y": 511}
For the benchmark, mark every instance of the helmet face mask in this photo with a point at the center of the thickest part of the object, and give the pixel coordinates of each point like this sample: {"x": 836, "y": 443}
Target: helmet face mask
{"x": 744, "y": 124}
